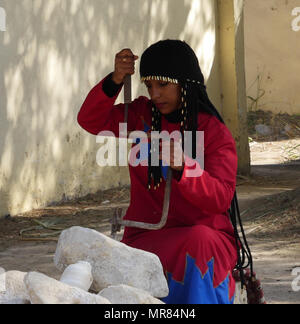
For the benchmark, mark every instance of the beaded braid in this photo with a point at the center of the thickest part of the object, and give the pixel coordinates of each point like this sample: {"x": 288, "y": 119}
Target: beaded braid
{"x": 154, "y": 172}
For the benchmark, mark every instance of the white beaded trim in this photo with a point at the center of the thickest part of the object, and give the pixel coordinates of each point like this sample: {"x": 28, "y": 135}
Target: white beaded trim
{"x": 159, "y": 78}
{"x": 166, "y": 79}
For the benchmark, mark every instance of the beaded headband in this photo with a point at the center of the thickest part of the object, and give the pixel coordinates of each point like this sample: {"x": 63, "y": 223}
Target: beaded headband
{"x": 166, "y": 79}
{"x": 159, "y": 78}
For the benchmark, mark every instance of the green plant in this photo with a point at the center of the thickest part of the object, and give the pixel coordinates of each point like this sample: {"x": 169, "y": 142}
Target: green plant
{"x": 260, "y": 93}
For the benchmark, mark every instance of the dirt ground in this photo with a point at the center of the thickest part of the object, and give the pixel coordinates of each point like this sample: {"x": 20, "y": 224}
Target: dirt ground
{"x": 269, "y": 202}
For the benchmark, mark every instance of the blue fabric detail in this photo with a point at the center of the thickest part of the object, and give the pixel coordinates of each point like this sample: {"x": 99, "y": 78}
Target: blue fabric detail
{"x": 144, "y": 152}
{"x": 197, "y": 289}
{"x": 146, "y": 127}
{"x": 164, "y": 170}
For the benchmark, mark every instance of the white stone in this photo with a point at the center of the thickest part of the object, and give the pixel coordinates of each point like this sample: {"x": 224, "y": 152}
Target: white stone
{"x": 44, "y": 290}
{"x": 78, "y": 275}
{"x": 13, "y": 290}
{"x": 124, "y": 294}
{"x": 113, "y": 263}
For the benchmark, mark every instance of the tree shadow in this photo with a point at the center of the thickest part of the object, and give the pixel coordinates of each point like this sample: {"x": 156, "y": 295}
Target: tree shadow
{"x": 51, "y": 55}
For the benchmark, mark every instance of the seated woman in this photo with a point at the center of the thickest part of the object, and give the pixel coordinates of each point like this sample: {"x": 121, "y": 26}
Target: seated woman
{"x": 198, "y": 245}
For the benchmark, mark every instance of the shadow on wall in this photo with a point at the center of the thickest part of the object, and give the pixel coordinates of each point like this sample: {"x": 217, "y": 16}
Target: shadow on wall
{"x": 51, "y": 54}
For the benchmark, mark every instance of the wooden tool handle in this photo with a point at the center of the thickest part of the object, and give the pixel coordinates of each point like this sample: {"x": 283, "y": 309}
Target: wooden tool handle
{"x": 127, "y": 95}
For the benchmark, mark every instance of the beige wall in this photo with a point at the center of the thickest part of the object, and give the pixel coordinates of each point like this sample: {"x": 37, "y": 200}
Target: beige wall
{"x": 51, "y": 54}
{"x": 272, "y": 55}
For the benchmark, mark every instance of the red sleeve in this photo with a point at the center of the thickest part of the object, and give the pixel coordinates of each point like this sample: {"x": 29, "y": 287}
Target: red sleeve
{"x": 213, "y": 189}
{"x": 99, "y": 112}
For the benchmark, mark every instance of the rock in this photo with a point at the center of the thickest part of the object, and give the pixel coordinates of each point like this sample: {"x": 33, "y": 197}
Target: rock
{"x": 78, "y": 275}
{"x": 113, "y": 263}
{"x": 123, "y": 294}
{"x": 288, "y": 130}
{"x": 12, "y": 288}
{"x": 45, "y": 290}
{"x": 263, "y": 130}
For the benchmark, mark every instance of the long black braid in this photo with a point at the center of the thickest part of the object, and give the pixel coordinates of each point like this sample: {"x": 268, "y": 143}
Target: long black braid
{"x": 195, "y": 99}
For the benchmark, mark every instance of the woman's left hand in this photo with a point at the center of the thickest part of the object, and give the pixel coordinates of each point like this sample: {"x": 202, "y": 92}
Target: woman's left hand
{"x": 176, "y": 158}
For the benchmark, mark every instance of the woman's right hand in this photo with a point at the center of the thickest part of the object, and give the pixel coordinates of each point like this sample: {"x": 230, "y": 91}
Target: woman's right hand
{"x": 124, "y": 65}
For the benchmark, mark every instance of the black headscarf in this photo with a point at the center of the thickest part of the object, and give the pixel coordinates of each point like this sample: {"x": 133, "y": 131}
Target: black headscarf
{"x": 176, "y": 61}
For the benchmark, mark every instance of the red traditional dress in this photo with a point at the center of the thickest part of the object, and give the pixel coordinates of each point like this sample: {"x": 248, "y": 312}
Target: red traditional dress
{"x": 197, "y": 245}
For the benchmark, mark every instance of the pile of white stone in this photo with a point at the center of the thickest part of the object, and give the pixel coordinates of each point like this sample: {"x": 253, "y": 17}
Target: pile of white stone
{"x": 95, "y": 270}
